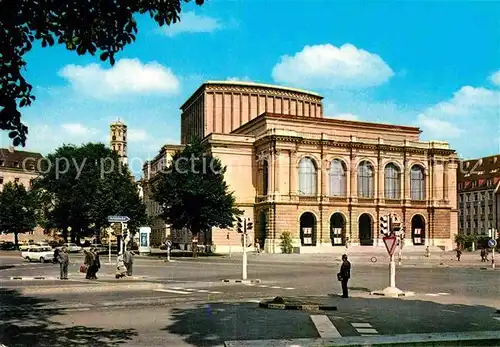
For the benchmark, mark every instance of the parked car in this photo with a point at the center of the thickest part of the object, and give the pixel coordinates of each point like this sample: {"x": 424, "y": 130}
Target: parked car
{"x": 26, "y": 246}
{"x": 7, "y": 245}
{"x": 37, "y": 253}
{"x": 71, "y": 247}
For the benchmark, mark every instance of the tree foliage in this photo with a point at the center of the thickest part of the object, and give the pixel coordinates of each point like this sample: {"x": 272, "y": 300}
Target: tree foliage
{"x": 18, "y": 210}
{"x": 101, "y": 27}
{"x": 82, "y": 186}
{"x": 193, "y": 193}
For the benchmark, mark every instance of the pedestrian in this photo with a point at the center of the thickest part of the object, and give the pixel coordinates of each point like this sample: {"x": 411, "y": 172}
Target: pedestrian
{"x": 121, "y": 270}
{"x": 257, "y": 245}
{"x": 128, "y": 260}
{"x": 483, "y": 255}
{"x": 344, "y": 275}
{"x": 427, "y": 252}
{"x": 56, "y": 256}
{"x": 459, "y": 253}
{"x": 63, "y": 259}
{"x": 96, "y": 263}
{"x": 87, "y": 261}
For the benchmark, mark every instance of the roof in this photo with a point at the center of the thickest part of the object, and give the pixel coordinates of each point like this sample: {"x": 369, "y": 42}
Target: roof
{"x": 13, "y": 159}
{"x": 479, "y": 173}
{"x": 330, "y": 121}
{"x": 247, "y": 84}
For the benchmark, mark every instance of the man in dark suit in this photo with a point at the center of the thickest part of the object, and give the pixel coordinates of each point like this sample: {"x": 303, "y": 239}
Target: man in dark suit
{"x": 344, "y": 275}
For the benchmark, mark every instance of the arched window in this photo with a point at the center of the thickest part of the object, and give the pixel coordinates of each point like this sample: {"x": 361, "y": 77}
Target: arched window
{"x": 365, "y": 180}
{"x": 265, "y": 177}
{"x": 417, "y": 184}
{"x": 337, "y": 178}
{"x": 307, "y": 177}
{"x": 392, "y": 181}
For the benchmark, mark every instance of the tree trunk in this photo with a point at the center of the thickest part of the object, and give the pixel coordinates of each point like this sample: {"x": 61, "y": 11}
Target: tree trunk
{"x": 16, "y": 239}
{"x": 194, "y": 245}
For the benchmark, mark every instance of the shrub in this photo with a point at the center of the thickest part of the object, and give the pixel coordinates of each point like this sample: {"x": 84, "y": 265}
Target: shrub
{"x": 286, "y": 243}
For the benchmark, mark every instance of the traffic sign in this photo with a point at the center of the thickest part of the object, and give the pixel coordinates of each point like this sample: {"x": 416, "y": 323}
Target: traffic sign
{"x": 118, "y": 219}
{"x": 492, "y": 243}
{"x": 390, "y": 244}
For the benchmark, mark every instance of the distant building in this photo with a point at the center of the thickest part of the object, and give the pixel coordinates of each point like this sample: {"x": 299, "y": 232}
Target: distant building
{"x": 118, "y": 139}
{"x": 325, "y": 181}
{"x": 18, "y": 166}
{"x": 478, "y": 185}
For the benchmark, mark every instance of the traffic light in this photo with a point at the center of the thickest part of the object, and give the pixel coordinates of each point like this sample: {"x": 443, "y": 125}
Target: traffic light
{"x": 239, "y": 224}
{"x": 249, "y": 224}
{"x": 384, "y": 224}
{"x": 396, "y": 227}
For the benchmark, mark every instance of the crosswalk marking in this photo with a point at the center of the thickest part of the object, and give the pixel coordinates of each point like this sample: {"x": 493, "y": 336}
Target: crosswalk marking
{"x": 268, "y": 286}
{"x": 437, "y": 294}
{"x": 185, "y": 291}
{"x": 364, "y": 329}
{"x": 325, "y": 327}
{"x": 361, "y": 325}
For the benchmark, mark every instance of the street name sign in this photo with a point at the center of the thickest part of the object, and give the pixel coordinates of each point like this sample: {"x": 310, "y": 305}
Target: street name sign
{"x": 390, "y": 244}
{"x": 118, "y": 219}
{"x": 492, "y": 243}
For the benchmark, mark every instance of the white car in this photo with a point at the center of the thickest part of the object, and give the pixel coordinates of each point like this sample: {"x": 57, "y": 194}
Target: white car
{"x": 37, "y": 253}
{"x": 71, "y": 247}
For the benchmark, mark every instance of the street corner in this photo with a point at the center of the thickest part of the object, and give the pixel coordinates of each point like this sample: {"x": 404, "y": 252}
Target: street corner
{"x": 296, "y": 303}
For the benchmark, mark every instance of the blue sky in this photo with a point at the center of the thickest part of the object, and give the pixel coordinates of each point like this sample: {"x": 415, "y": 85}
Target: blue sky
{"x": 433, "y": 64}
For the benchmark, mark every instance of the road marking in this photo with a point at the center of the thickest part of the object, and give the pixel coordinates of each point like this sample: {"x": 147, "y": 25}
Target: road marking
{"x": 275, "y": 287}
{"x": 444, "y": 293}
{"x": 324, "y": 326}
{"x": 361, "y": 325}
{"x": 289, "y": 288}
{"x": 171, "y": 291}
{"x": 432, "y": 294}
{"x": 367, "y": 331}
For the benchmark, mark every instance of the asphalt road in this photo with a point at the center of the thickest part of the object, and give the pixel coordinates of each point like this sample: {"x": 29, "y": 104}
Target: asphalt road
{"x": 192, "y": 307}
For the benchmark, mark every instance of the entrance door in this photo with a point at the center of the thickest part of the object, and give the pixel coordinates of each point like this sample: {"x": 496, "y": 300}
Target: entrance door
{"x": 365, "y": 230}
{"x": 261, "y": 235}
{"x": 308, "y": 229}
{"x": 418, "y": 230}
{"x": 337, "y": 229}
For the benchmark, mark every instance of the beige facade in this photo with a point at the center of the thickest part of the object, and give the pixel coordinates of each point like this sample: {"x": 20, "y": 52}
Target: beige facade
{"x": 223, "y": 106}
{"x": 328, "y": 181}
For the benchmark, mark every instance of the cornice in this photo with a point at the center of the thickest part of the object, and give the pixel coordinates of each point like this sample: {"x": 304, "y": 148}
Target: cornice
{"x": 353, "y": 145}
{"x": 267, "y": 91}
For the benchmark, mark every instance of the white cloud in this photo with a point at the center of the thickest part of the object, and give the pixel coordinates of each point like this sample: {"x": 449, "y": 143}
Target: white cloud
{"x": 192, "y": 23}
{"x": 328, "y": 67}
{"x": 138, "y": 135}
{"x": 346, "y": 116}
{"x": 78, "y": 129}
{"x": 470, "y": 119}
{"x": 495, "y": 78}
{"x": 126, "y": 77}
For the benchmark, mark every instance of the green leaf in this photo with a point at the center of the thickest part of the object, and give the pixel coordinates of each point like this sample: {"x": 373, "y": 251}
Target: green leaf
{"x": 104, "y": 56}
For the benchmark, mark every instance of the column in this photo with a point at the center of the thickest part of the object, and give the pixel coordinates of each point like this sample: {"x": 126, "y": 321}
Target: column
{"x": 271, "y": 166}
{"x": 445, "y": 182}
{"x": 277, "y": 161}
{"x": 353, "y": 181}
{"x": 324, "y": 178}
{"x": 407, "y": 186}
{"x": 381, "y": 174}
{"x": 293, "y": 172}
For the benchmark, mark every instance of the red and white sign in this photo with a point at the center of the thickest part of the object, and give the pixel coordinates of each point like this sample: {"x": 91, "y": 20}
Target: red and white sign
{"x": 390, "y": 244}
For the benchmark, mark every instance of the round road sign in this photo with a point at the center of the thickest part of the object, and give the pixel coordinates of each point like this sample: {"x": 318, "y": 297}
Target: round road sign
{"x": 492, "y": 243}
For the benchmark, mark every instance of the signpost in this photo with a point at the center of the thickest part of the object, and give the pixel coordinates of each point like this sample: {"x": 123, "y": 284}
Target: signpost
{"x": 123, "y": 221}
{"x": 243, "y": 226}
{"x": 390, "y": 245}
{"x": 492, "y": 244}
{"x": 169, "y": 246}
{"x": 394, "y": 232}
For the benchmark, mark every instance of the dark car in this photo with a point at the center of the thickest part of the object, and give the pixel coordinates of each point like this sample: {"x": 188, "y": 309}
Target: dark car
{"x": 7, "y": 246}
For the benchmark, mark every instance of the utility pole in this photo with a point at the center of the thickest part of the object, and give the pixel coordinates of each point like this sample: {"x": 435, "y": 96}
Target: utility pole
{"x": 244, "y": 272}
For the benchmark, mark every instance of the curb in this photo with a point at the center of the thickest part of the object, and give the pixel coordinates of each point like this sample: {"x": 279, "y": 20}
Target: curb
{"x": 472, "y": 338}
{"x": 241, "y": 281}
{"x": 300, "y": 307}
{"x": 89, "y": 289}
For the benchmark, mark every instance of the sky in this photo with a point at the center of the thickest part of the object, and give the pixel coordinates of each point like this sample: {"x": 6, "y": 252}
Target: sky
{"x": 431, "y": 64}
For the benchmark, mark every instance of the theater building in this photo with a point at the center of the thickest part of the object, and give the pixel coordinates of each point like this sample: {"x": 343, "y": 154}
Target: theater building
{"x": 324, "y": 180}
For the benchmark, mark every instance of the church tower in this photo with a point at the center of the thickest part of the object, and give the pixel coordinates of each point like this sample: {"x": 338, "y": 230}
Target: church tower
{"x": 118, "y": 139}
